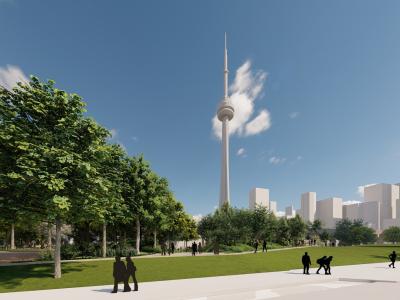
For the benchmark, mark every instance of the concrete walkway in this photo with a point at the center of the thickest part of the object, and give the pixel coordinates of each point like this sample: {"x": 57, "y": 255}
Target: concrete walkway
{"x": 369, "y": 281}
{"x": 157, "y": 255}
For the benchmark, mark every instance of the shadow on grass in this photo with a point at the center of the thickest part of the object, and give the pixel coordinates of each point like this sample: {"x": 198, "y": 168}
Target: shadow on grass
{"x": 380, "y": 256}
{"x": 13, "y": 276}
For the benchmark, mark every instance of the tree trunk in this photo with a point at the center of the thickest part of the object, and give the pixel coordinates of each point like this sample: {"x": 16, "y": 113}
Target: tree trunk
{"x": 57, "y": 252}
{"x": 49, "y": 235}
{"x": 155, "y": 238}
{"x": 137, "y": 236}
{"x": 12, "y": 236}
{"x": 104, "y": 250}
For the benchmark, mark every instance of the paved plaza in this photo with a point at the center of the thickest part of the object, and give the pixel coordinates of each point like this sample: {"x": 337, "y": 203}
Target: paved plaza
{"x": 369, "y": 281}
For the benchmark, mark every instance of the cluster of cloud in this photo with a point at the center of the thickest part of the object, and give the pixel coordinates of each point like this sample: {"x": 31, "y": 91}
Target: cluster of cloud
{"x": 241, "y": 152}
{"x": 276, "y": 160}
{"x": 10, "y": 75}
{"x": 360, "y": 189}
{"x": 294, "y": 115}
{"x": 350, "y": 202}
{"x": 245, "y": 89}
{"x": 115, "y": 138}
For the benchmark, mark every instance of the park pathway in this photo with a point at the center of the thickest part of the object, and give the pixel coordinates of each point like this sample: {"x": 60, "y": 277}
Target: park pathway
{"x": 366, "y": 282}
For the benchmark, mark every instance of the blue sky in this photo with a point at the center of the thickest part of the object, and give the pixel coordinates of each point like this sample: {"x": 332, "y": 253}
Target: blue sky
{"x": 327, "y": 74}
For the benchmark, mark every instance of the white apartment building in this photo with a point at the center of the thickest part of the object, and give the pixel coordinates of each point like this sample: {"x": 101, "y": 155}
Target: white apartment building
{"x": 259, "y": 197}
{"x": 329, "y": 211}
{"x": 387, "y": 195}
{"x": 308, "y": 206}
{"x": 273, "y": 207}
{"x": 290, "y": 212}
{"x": 369, "y": 212}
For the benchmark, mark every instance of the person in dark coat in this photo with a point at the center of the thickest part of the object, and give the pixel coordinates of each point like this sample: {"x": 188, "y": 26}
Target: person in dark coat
{"x": 131, "y": 271}
{"x": 306, "y": 260}
{"x": 392, "y": 258}
{"x": 172, "y": 247}
{"x": 120, "y": 275}
{"x": 194, "y": 249}
{"x": 321, "y": 262}
{"x": 328, "y": 265}
{"x": 255, "y": 246}
{"x": 163, "y": 248}
{"x": 264, "y": 246}
{"x": 199, "y": 248}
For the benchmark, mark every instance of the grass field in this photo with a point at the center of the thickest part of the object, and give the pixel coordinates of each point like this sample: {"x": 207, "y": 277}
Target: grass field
{"x": 36, "y": 277}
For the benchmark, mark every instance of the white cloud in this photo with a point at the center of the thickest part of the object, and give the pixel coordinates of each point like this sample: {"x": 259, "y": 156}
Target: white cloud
{"x": 135, "y": 138}
{"x": 197, "y": 218}
{"x": 115, "y": 138}
{"x": 280, "y": 214}
{"x": 241, "y": 152}
{"x": 360, "y": 189}
{"x": 294, "y": 115}
{"x": 299, "y": 157}
{"x": 349, "y": 202}
{"x": 114, "y": 133}
{"x": 245, "y": 89}
{"x": 275, "y": 160}
{"x": 10, "y": 75}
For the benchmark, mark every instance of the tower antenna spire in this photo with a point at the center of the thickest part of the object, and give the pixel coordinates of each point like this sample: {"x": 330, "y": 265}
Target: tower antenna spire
{"x": 226, "y": 71}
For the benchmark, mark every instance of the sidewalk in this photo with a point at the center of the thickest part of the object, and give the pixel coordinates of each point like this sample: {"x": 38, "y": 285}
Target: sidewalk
{"x": 157, "y": 255}
{"x": 367, "y": 282}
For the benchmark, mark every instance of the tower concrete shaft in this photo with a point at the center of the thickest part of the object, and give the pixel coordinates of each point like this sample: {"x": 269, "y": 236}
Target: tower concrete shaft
{"x": 224, "y": 196}
{"x": 225, "y": 114}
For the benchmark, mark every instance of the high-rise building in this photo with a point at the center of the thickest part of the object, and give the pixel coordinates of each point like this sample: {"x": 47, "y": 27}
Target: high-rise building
{"x": 308, "y": 206}
{"x": 259, "y": 197}
{"x": 225, "y": 114}
{"x": 369, "y": 212}
{"x": 273, "y": 207}
{"x": 386, "y": 195}
{"x": 290, "y": 212}
{"x": 329, "y": 211}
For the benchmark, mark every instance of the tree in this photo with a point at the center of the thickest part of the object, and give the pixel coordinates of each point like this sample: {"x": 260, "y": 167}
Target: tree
{"x": 56, "y": 146}
{"x": 355, "y": 232}
{"x": 392, "y": 234}
{"x": 297, "y": 229}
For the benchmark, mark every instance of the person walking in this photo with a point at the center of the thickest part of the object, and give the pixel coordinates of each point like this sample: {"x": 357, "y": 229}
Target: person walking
{"x": 264, "y": 245}
{"x": 194, "y": 249}
{"x": 328, "y": 265}
{"x": 172, "y": 247}
{"x": 131, "y": 271}
{"x": 199, "y": 249}
{"x": 163, "y": 249}
{"x": 306, "y": 260}
{"x": 120, "y": 275}
{"x": 321, "y": 262}
{"x": 255, "y": 246}
{"x": 392, "y": 257}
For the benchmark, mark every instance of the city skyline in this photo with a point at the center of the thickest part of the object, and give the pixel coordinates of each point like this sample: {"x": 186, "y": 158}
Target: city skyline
{"x": 318, "y": 102}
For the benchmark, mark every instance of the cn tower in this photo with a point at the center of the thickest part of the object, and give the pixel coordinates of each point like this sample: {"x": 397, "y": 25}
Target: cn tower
{"x": 225, "y": 114}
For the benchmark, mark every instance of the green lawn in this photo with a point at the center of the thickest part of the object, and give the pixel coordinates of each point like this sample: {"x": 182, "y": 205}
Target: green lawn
{"x": 36, "y": 277}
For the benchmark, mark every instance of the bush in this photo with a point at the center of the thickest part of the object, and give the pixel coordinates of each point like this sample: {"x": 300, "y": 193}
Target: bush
{"x": 112, "y": 252}
{"x": 69, "y": 252}
{"x": 149, "y": 249}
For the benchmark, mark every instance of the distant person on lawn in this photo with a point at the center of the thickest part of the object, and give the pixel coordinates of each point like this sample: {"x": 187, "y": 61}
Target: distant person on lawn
{"x": 306, "y": 260}
{"x": 264, "y": 245}
{"x": 321, "y": 262}
{"x": 172, "y": 247}
{"x": 392, "y": 257}
{"x": 131, "y": 271}
{"x": 199, "y": 249}
{"x": 120, "y": 275}
{"x": 255, "y": 246}
{"x": 163, "y": 248}
{"x": 194, "y": 249}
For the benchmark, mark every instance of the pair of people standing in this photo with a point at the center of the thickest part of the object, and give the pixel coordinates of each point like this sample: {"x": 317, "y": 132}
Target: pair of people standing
{"x": 324, "y": 262}
{"x": 264, "y": 246}
{"x": 123, "y": 273}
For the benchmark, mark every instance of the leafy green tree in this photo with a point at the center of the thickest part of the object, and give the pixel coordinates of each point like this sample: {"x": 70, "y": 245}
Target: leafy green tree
{"x": 55, "y": 145}
{"x": 283, "y": 232}
{"x": 392, "y": 234}
{"x": 297, "y": 229}
{"x": 349, "y": 233}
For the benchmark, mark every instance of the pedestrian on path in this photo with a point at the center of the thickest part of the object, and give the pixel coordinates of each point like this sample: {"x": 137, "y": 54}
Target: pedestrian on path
{"x": 321, "y": 262}
{"x": 328, "y": 265}
{"x": 392, "y": 257}
{"x": 131, "y": 271}
{"x": 120, "y": 275}
{"x": 172, "y": 247}
{"x": 264, "y": 245}
{"x": 306, "y": 260}
{"x": 199, "y": 249}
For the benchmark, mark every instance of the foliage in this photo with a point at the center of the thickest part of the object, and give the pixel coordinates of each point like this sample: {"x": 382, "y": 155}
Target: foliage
{"x": 354, "y": 233}
{"x": 392, "y": 234}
